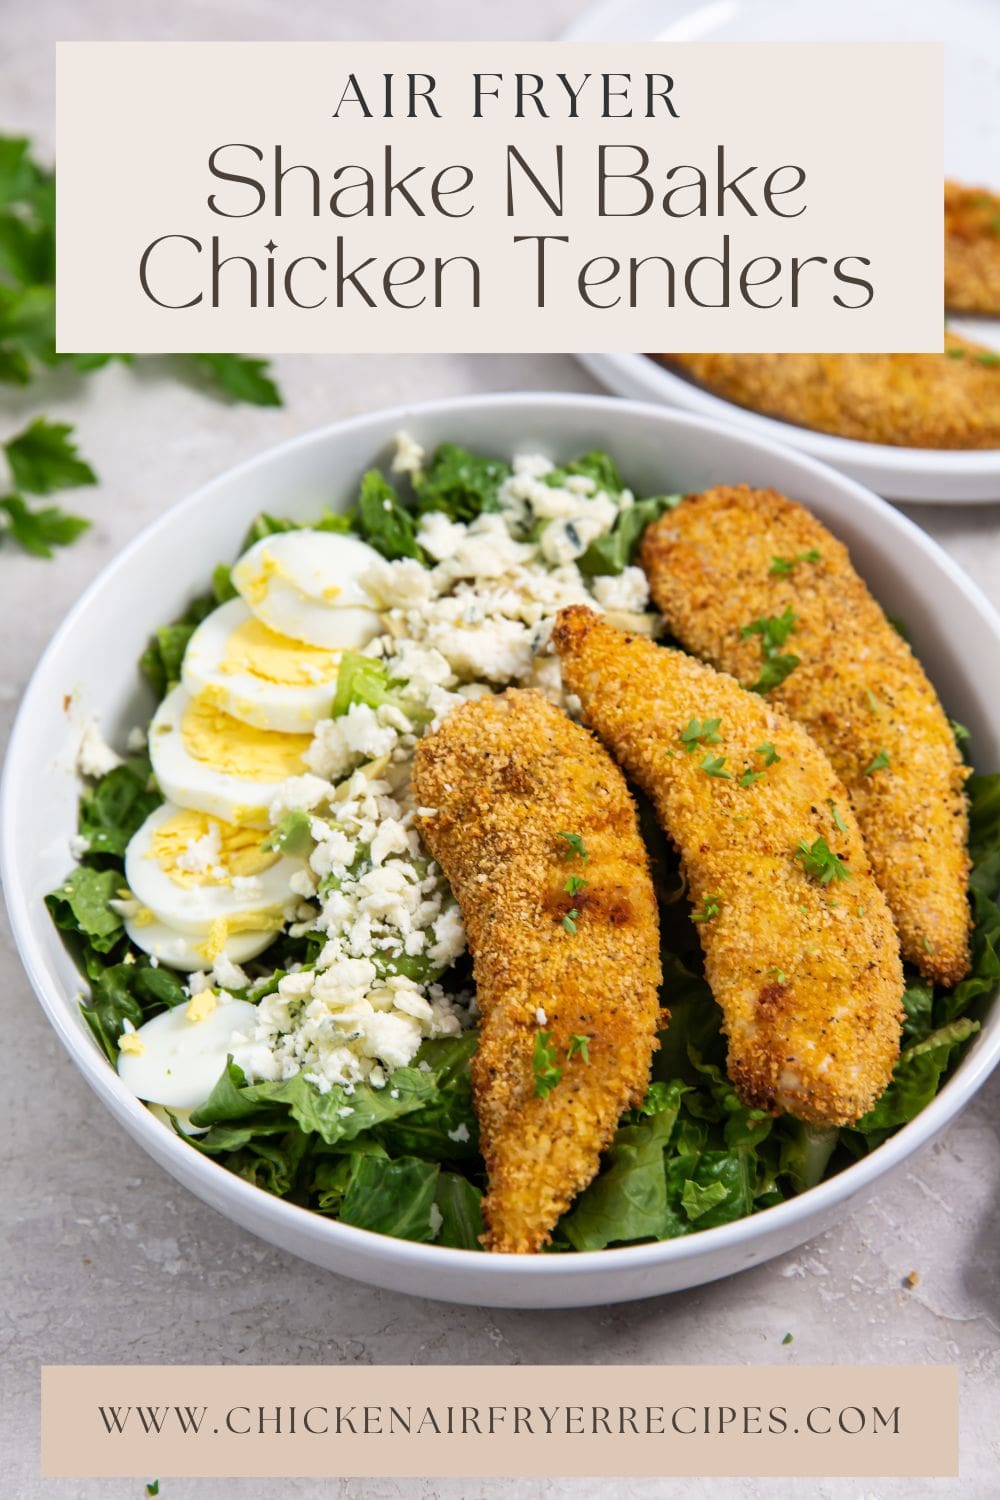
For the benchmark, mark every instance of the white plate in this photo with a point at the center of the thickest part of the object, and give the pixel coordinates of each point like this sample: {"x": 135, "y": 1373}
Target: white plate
{"x": 93, "y": 657}
{"x": 970, "y": 31}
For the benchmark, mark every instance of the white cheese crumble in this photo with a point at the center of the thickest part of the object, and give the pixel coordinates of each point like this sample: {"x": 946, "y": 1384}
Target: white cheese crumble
{"x": 95, "y": 757}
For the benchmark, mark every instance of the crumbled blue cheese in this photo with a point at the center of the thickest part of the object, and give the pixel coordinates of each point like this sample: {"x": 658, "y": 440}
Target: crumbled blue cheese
{"x": 94, "y": 756}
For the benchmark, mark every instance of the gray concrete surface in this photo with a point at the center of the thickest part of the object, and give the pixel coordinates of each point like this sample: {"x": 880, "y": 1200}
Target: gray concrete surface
{"x": 106, "y": 1259}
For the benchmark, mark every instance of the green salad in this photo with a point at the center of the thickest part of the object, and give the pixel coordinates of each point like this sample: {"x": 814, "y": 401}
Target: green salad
{"x": 341, "y": 1125}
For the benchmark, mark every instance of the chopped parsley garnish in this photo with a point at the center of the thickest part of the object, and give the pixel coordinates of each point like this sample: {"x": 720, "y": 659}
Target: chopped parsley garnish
{"x": 880, "y": 763}
{"x": 769, "y": 753}
{"x": 569, "y": 920}
{"x": 837, "y": 818}
{"x": 577, "y": 849}
{"x": 574, "y": 884}
{"x": 709, "y": 910}
{"x": 899, "y": 626}
{"x": 774, "y": 631}
{"x": 749, "y": 777}
{"x": 153, "y": 1487}
{"x": 819, "y": 861}
{"x": 780, "y": 566}
{"x": 788, "y": 1338}
{"x": 779, "y": 975}
{"x": 988, "y": 357}
{"x": 547, "y": 1074}
{"x": 701, "y": 732}
{"x": 872, "y": 700}
{"x": 581, "y": 1045}
{"x": 928, "y": 945}
{"x": 959, "y": 731}
{"x": 712, "y": 765}
{"x": 955, "y": 353}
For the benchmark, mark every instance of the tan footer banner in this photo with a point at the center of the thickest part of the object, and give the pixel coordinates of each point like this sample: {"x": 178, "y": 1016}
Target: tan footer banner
{"x": 479, "y": 1420}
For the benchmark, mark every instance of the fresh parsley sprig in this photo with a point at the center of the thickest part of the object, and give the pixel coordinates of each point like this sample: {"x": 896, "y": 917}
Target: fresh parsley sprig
{"x": 42, "y": 459}
{"x": 819, "y": 861}
{"x": 774, "y": 631}
{"x": 547, "y": 1072}
{"x": 782, "y": 566}
{"x": 700, "y": 732}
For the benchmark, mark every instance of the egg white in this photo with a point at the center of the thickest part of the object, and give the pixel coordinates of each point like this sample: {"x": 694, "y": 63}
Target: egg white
{"x": 182, "y": 1060}
{"x": 189, "y": 951}
{"x": 306, "y": 584}
{"x": 253, "y": 698}
{"x": 193, "y": 907}
{"x": 195, "y": 783}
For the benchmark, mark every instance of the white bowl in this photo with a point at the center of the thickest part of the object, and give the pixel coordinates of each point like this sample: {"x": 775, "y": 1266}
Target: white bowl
{"x": 93, "y": 656}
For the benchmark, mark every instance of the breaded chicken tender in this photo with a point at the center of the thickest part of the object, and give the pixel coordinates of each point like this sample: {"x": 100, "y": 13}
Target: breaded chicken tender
{"x": 800, "y": 950}
{"x": 732, "y": 556}
{"x": 535, "y": 829}
{"x": 971, "y": 249}
{"x": 949, "y": 400}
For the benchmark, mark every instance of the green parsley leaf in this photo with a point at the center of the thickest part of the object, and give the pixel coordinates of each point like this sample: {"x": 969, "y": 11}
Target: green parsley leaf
{"x": 955, "y": 353}
{"x": 697, "y": 1200}
{"x": 242, "y": 378}
{"x": 988, "y": 357}
{"x": 781, "y": 566}
{"x": 547, "y": 1074}
{"x": 959, "y": 731}
{"x": 153, "y": 1487}
{"x": 773, "y": 630}
{"x": 43, "y": 458}
{"x": 779, "y": 975}
{"x": 819, "y": 861}
{"x": 38, "y": 531}
{"x": 701, "y": 732}
{"x": 872, "y": 701}
{"x": 899, "y": 626}
{"x": 712, "y": 766}
{"x": 574, "y": 884}
{"x": 581, "y": 1045}
{"x": 767, "y": 750}
{"x": 710, "y": 909}
{"x": 569, "y": 920}
{"x": 838, "y": 820}
{"x": 879, "y": 763}
{"x": 577, "y": 848}
{"x": 749, "y": 777}
{"x": 788, "y": 1338}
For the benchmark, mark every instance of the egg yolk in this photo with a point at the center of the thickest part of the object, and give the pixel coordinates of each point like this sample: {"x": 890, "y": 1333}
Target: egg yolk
{"x": 237, "y": 749}
{"x": 223, "y": 928}
{"x": 271, "y": 657}
{"x": 194, "y": 849}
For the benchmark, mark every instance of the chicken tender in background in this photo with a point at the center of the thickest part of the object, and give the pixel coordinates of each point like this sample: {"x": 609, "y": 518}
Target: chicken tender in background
{"x": 949, "y": 400}
{"x": 803, "y": 960}
{"x": 971, "y": 249}
{"x": 535, "y": 829}
{"x": 731, "y": 556}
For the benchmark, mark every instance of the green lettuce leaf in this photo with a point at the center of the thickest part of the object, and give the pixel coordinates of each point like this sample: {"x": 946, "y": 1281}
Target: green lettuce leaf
{"x": 460, "y": 483}
{"x": 613, "y": 552}
{"x": 391, "y": 1197}
{"x": 116, "y": 806}
{"x": 384, "y": 521}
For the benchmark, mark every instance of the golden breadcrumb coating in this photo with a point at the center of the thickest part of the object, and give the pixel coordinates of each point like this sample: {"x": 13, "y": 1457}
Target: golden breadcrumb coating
{"x": 505, "y": 776}
{"x": 971, "y": 249}
{"x": 949, "y": 400}
{"x": 859, "y": 691}
{"x": 807, "y": 974}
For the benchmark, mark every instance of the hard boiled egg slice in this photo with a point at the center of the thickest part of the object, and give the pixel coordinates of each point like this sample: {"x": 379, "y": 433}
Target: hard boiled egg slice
{"x": 256, "y": 675}
{"x": 205, "y": 759}
{"x": 189, "y": 951}
{"x": 177, "y": 1058}
{"x": 306, "y": 584}
{"x": 191, "y": 869}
